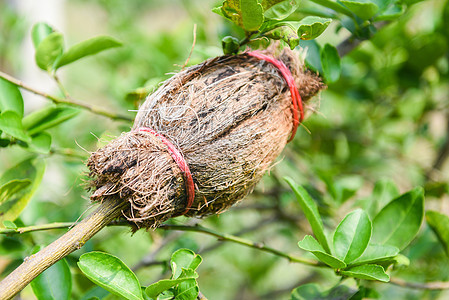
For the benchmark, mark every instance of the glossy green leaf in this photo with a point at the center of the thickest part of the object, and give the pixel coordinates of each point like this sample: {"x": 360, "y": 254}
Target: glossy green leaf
{"x": 49, "y": 50}
{"x": 311, "y": 245}
{"x": 96, "y": 292}
{"x": 352, "y": 236}
{"x": 11, "y": 124}
{"x": 8, "y": 224}
{"x": 367, "y": 272}
{"x": 85, "y": 48}
{"x": 375, "y": 253}
{"x": 184, "y": 259}
{"x": 47, "y": 117}
{"x": 230, "y": 45}
{"x": 392, "y": 13}
{"x": 330, "y": 62}
{"x": 162, "y": 285}
{"x": 187, "y": 290}
{"x": 311, "y": 27}
{"x": 110, "y": 273}
{"x": 310, "y": 210}
{"x": 10, "y": 98}
{"x": 39, "y": 32}
{"x": 55, "y": 283}
{"x": 440, "y": 225}
{"x": 28, "y": 176}
{"x": 364, "y": 9}
{"x": 398, "y": 223}
{"x": 40, "y": 143}
{"x": 279, "y": 9}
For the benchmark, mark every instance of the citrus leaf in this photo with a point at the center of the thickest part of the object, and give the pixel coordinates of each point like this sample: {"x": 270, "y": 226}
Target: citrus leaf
{"x": 86, "y": 48}
{"x": 311, "y": 245}
{"x": 47, "y": 117}
{"x": 55, "y": 283}
{"x": 49, "y": 50}
{"x": 330, "y": 62}
{"x": 310, "y": 210}
{"x": 367, "y": 272}
{"x": 40, "y": 143}
{"x": 11, "y": 188}
{"x": 375, "y": 253}
{"x": 383, "y": 192}
{"x": 352, "y": 236}
{"x": 311, "y": 27}
{"x": 39, "y": 32}
{"x": 162, "y": 285}
{"x": 110, "y": 273}
{"x": 440, "y": 225}
{"x": 252, "y": 14}
{"x": 184, "y": 259}
{"x": 11, "y": 124}
{"x": 285, "y": 33}
{"x": 10, "y": 98}
{"x": 187, "y": 290}
{"x": 398, "y": 223}
{"x": 279, "y": 9}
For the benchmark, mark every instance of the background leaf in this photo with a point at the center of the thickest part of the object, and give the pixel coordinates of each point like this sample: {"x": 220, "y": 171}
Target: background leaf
{"x": 110, "y": 273}
{"x": 352, "y": 236}
{"x": 85, "y": 48}
{"x": 55, "y": 283}
{"x": 330, "y": 62}
{"x": 39, "y": 32}
{"x": 49, "y": 50}
{"x": 440, "y": 225}
{"x": 398, "y": 223}
{"x": 47, "y": 117}
{"x": 10, "y": 98}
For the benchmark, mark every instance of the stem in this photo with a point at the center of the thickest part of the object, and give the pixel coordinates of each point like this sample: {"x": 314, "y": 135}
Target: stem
{"x": 242, "y": 241}
{"x": 66, "y": 244}
{"x": 334, "y": 6}
{"x": 92, "y": 108}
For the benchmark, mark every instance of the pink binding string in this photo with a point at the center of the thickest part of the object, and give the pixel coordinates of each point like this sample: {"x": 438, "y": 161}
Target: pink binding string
{"x": 179, "y": 159}
{"x": 296, "y": 98}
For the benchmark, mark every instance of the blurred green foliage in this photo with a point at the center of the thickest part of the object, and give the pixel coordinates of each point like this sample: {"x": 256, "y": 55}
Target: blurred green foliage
{"x": 381, "y": 130}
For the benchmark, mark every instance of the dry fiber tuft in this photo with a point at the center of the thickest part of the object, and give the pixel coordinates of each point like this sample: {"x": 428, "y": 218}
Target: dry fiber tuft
{"x": 230, "y": 117}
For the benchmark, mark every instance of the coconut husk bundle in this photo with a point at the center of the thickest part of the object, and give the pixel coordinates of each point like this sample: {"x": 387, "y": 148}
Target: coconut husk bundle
{"x": 229, "y": 117}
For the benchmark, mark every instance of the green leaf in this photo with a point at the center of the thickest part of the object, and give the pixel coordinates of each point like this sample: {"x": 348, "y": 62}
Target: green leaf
{"x": 49, "y": 50}
{"x": 110, "y": 273}
{"x": 352, "y": 236}
{"x": 184, "y": 259}
{"x": 312, "y": 291}
{"x": 330, "y": 62}
{"x": 375, "y": 253}
{"x": 391, "y": 13}
{"x": 279, "y": 9}
{"x": 47, "y": 117}
{"x": 11, "y": 124}
{"x": 440, "y": 225}
{"x": 55, "y": 283}
{"x": 383, "y": 192}
{"x": 311, "y": 245}
{"x": 8, "y": 224}
{"x": 11, "y": 188}
{"x": 311, "y": 27}
{"x": 10, "y": 98}
{"x": 40, "y": 143}
{"x": 162, "y": 285}
{"x": 230, "y": 45}
{"x": 398, "y": 223}
{"x": 310, "y": 210}
{"x": 285, "y": 33}
{"x": 365, "y": 9}
{"x": 187, "y": 290}
{"x": 22, "y": 180}
{"x": 39, "y": 32}
{"x": 252, "y": 14}
{"x": 367, "y": 272}
{"x": 247, "y": 14}
{"x": 86, "y": 48}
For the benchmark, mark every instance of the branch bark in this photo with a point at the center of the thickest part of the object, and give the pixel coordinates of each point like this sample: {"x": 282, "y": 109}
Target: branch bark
{"x": 66, "y": 244}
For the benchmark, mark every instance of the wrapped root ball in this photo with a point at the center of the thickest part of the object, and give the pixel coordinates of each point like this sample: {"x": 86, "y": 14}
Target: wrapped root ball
{"x": 226, "y": 120}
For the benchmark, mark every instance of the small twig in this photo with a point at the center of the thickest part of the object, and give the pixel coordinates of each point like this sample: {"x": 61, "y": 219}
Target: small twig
{"x": 193, "y": 46}
{"x": 92, "y": 108}
{"x": 443, "y": 152}
{"x": 436, "y": 285}
{"x": 60, "y": 85}
{"x": 242, "y": 241}
{"x": 70, "y": 153}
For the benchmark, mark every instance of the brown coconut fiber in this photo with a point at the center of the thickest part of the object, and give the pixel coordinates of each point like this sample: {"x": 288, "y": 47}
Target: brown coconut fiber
{"x": 229, "y": 116}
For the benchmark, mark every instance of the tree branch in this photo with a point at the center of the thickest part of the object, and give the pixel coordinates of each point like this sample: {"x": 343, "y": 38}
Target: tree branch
{"x": 436, "y": 285}
{"x": 92, "y": 108}
{"x": 66, "y": 244}
{"x": 242, "y": 241}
